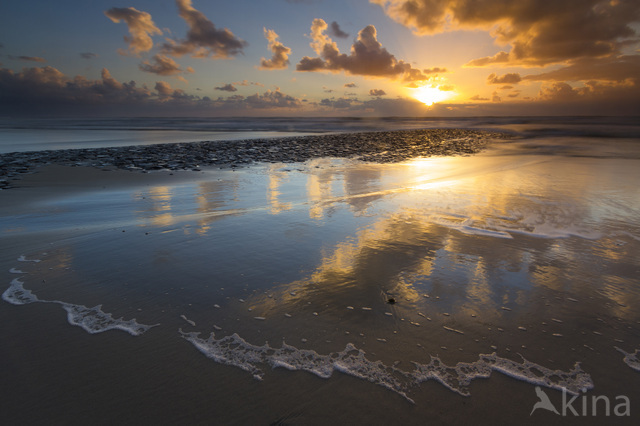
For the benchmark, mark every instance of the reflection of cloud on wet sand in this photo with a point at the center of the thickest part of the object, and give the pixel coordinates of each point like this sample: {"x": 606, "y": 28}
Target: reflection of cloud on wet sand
{"x": 276, "y": 178}
{"x": 498, "y": 234}
{"x": 498, "y": 246}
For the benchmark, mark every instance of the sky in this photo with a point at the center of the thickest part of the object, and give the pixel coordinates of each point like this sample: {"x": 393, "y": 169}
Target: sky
{"x": 319, "y": 57}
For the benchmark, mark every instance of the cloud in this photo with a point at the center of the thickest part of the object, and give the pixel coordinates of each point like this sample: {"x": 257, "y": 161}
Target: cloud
{"x": 336, "y": 31}
{"x": 164, "y": 89}
{"x": 559, "y": 92}
{"x": 598, "y": 81}
{"x": 26, "y": 58}
{"x": 509, "y": 78}
{"x": 381, "y": 107}
{"x": 166, "y": 93}
{"x": 478, "y": 98}
{"x": 272, "y": 99}
{"x": 47, "y": 90}
{"x": 539, "y": 32}
{"x": 227, "y": 88}
{"x": 618, "y": 69}
{"x": 350, "y": 85}
{"x": 367, "y": 57}
{"x": 498, "y": 58}
{"x": 377, "y": 92}
{"x": 592, "y": 93}
{"x": 280, "y": 58}
{"x": 163, "y": 65}
{"x": 140, "y": 25}
{"x": 340, "y": 103}
{"x": 203, "y": 38}
{"x": 88, "y": 55}
{"x": 248, "y": 83}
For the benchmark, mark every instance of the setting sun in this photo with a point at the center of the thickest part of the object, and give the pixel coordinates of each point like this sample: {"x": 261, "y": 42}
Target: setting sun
{"x": 430, "y": 95}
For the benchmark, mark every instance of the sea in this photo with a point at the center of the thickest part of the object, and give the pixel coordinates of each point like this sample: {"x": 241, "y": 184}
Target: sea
{"x": 497, "y": 288}
{"x": 36, "y": 134}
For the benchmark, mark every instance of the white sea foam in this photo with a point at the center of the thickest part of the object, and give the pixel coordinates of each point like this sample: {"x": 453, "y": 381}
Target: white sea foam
{"x": 458, "y": 377}
{"x": 22, "y": 258}
{"x": 16, "y": 271}
{"x": 235, "y": 351}
{"x": 93, "y": 320}
{"x": 16, "y": 294}
{"x": 631, "y": 359}
{"x": 188, "y": 320}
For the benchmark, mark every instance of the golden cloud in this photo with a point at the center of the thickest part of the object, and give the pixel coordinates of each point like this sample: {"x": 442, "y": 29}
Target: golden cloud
{"x": 539, "y": 32}
{"x": 509, "y": 78}
{"x": 163, "y": 65}
{"x": 140, "y": 25}
{"x": 280, "y": 58}
{"x": 367, "y": 57}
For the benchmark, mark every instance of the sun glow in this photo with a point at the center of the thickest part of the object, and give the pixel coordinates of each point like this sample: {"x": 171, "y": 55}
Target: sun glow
{"x": 430, "y": 95}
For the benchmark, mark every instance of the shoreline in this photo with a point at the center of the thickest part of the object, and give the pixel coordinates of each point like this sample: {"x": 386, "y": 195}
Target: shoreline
{"x": 378, "y": 147}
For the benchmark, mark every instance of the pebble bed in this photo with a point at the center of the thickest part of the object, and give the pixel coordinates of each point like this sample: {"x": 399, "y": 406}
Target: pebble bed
{"x": 379, "y": 147}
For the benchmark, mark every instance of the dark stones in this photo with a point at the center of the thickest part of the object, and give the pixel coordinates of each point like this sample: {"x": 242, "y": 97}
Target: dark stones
{"x": 379, "y": 147}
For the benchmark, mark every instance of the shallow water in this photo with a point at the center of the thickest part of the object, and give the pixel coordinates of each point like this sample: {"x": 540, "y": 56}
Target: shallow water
{"x": 268, "y": 290}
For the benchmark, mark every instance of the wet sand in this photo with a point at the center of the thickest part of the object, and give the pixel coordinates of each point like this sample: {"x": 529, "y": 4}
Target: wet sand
{"x": 525, "y": 255}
